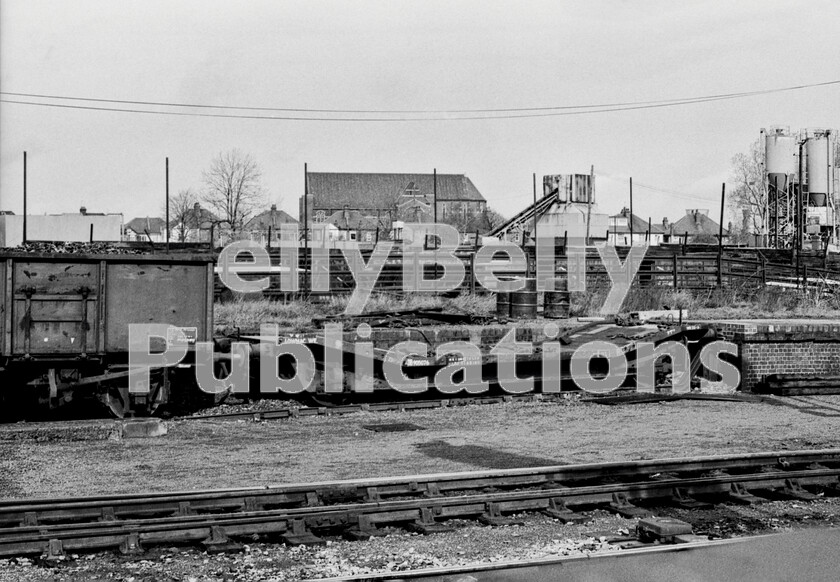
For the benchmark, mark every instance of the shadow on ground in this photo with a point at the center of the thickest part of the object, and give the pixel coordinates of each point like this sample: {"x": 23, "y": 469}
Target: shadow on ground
{"x": 485, "y": 457}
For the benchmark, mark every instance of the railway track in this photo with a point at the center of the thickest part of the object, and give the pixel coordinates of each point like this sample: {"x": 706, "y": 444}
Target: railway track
{"x": 401, "y": 406}
{"x": 358, "y": 509}
{"x": 430, "y": 404}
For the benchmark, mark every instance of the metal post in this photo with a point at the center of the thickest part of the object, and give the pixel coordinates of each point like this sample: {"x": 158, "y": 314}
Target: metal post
{"x": 535, "y": 207}
{"x": 24, "y": 197}
{"x": 676, "y": 272}
{"x": 631, "y": 212}
{"x": 167, "y": 204}
{"x": 799, "y": 197}
{"x": 306, "y": 226}
{"x": 91, "y": 232}
{"x": 589, "y": 199}
{"x": 534, "y": 271}
{"x": 434, "y": 204}
{"x": 776, "y": 212}
{"x": 720, "y": 235}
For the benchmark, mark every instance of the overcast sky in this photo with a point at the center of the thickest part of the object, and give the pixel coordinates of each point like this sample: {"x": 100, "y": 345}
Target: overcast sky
{"x": 423, "y": 55}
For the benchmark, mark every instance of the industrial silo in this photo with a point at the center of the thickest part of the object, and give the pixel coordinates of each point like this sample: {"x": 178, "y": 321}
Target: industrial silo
{"x": 818, "y": 151}
{"x": 779, "y": 157}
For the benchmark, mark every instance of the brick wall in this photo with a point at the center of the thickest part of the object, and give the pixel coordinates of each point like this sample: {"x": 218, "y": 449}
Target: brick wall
{"x": 808, "y": 357}
{"x": 810, "y": 347}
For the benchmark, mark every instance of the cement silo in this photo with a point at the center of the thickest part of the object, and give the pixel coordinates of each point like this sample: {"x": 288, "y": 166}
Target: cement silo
{"x": 779, "y": 156}
{"x": 819, "y": 168}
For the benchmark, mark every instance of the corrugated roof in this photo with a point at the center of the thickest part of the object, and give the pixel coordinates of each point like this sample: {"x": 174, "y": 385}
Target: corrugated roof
{"x": 355, "y": 190}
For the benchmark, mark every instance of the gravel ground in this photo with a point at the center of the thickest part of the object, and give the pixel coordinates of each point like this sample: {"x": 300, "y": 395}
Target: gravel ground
{"x": 206, "y": 454}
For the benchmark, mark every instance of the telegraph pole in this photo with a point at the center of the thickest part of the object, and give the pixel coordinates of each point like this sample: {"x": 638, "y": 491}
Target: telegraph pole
{"x": 24, "y": 197}
{"x": 167, "y": 204}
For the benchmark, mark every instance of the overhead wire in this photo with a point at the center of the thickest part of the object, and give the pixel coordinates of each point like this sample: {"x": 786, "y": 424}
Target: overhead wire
{"x": 422, "y": 111}
{"x": 436, "y": 115}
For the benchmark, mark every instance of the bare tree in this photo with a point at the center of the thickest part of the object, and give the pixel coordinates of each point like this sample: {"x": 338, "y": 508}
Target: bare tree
{"x": 494, "y": 219}
{"x": 181, "y": 208}
{"x": 233, "y": 188}
{"x": 749, "y": 196}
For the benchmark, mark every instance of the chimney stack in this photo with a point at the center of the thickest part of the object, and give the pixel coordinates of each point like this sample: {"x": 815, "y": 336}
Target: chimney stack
{"x": 83, "y": 210}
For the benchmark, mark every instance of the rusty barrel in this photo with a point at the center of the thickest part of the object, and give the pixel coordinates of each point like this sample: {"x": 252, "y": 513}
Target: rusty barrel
{"x": 503, "y": 304}
{"x": 558, "y": 302}
{"x": 523, "y": 303}
{"x": 503, "y": 300}
{"x": 557, "y": 305}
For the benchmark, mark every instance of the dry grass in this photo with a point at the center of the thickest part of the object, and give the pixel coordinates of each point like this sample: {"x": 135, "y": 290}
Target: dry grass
{"x": 729, "y": 303}
{"x": 247, "y": 313}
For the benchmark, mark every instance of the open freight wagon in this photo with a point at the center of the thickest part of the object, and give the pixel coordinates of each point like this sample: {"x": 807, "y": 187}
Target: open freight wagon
{"x": 64, "y": 323}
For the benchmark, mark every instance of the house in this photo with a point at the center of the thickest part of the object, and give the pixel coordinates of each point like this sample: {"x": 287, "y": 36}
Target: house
{"x": 194, "y": 225}
{"x": 697, "y": 227}
{"x": 354, "y": 225}
{"x": 390, "y": 198}
{"x": 266, "y": 227}
{"x": 620, "y": 232}
{"x": 144, "y": 229}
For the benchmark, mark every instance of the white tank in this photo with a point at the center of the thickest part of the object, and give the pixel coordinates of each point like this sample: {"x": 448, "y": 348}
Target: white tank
{"x": 817, "y": 150}
{"x": 779, "y": 157}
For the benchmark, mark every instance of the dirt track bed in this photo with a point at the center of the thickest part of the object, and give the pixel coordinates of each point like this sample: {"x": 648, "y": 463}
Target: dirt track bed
{"x": 210, "y": 454}
{"x": 207, "y": 454}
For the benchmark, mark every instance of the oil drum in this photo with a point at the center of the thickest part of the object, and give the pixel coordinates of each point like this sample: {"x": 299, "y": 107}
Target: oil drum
{"x": 557, "y": 304}
{"x": 523, "y": 303}
{"x": 503, "y": 304}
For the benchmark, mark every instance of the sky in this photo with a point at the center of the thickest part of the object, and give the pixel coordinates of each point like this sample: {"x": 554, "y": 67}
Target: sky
{"x": 403, "y": 55}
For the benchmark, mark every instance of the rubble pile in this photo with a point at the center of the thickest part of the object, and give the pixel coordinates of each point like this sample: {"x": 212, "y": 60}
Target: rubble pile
{"x": 78, "y": 248}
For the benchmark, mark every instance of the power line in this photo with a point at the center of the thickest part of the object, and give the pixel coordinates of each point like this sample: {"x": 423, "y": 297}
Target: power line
{"x": 423, "y": 111}
{"x": 451, "y": 115}
{"x": 668, "y": 192}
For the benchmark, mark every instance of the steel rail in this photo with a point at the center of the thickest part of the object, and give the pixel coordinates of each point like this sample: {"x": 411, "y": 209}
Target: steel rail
{"x": 294, "y": 412}
{"x": 424, "y": 511}
{"x": 17, "y": 512}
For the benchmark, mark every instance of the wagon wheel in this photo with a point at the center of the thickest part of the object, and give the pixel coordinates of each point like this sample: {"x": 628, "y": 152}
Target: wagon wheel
{"x": 121, "y": 403}
{"x": 117, "y": 400}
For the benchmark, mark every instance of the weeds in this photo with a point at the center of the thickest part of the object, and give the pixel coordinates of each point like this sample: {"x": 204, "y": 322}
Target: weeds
{"x": 730, "y": 303}
{"x": 246, "y": 313}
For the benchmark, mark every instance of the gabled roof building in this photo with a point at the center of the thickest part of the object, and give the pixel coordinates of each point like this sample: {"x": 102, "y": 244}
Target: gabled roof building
{"x": 392, "y": 197}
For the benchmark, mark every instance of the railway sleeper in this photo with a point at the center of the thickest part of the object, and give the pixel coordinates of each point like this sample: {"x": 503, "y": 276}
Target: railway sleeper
{"x": 427, "y": 524}
{"x": 363, "y": 529}
{"x": 558, "y": 509}
{"x": 298, "y": 534}
{"x": 219, "y": 542}
{"x": 493, "y": 516}
{"x": 681, "y": 498}
{"x": 54, "y": 552}
{"x": 131, "y": 545}
{"x": 623, "y": 507}
{"x": 738, "y": 493}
